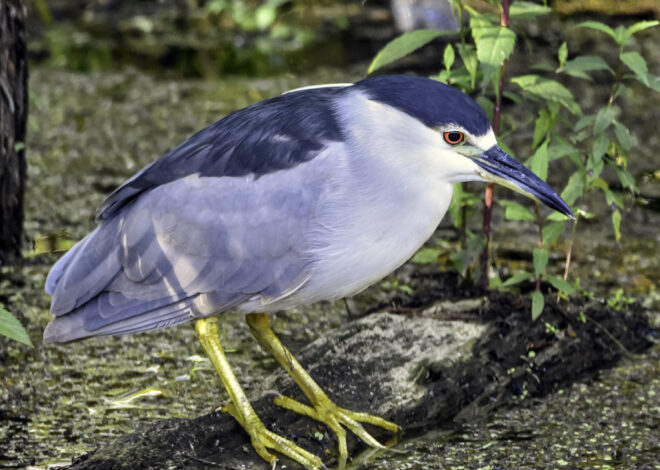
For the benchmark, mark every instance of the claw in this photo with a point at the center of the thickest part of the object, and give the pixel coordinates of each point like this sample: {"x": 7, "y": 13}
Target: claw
{"x": 322, "y": 408}
{"x": 263, "y": 440}
{"x": 336, "y": 418}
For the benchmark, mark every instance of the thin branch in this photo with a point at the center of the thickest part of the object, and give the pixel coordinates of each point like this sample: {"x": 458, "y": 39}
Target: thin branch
{"x": 490, "y": 187}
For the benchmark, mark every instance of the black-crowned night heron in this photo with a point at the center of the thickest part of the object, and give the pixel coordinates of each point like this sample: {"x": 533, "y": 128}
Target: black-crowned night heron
{"x": 312, "y": 195}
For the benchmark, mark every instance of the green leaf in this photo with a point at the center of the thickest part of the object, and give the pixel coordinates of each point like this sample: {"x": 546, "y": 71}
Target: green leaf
{"x": 602, "y": 27}
{"x": 562, "y": 148}
{"x": 265, "y": 15}
{"x": 494, "y": 43}
{"x": 426, "y": 256}
{"x": 516, "y": 98}
{"x": 620, "y": 35}
{"x": 623, "y": 90}
{"x": 599, "y": 183}
{"x": 547, "y": 89}
{"x": 406, "y": 289}
{"x": 443, "y": 76}
{"x": 543, "y": 68}
{"x": 604, "y": 119}
{"x": 12, "y": 328}
{"x": 611, "y": 198}
{"x": 469, "y": 57}
{"x": 600, "y": 145}
{"x": 541, "y": 257}
{"x": 517, "y": 278}
{"x": 538, "y": 162}
{"x": 520, "y": 10}
{"x": 637, "y": 27}
{"x": 623, "y": 136}
{"x": 515, "y": 211}
{"x": 595, "y": 161}
{"x": 455, "y": 207}
{"x": 574, "y": 188}
{"x": 654, "y": 83}
{"x": 448, "y": 57}
{"x": 487, "y": 106}
{"x": 404, "y": 45}
{"x": 538, "y": 302}
{"x": 562, "y": 54}
{"x": 561, "y": 285}
{"x": 635, "y": 62}
{"x": 616, "y": 224}
{"x": 586, "y": 63}
{"x": 626, "y": 178}
{"x": 584, "y": 121}
{"x": 552, "y": 231}
{"x": 542, "y": 126}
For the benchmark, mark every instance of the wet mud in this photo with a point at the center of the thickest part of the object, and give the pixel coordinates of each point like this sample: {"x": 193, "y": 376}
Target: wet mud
{"x": 513, "y": 361}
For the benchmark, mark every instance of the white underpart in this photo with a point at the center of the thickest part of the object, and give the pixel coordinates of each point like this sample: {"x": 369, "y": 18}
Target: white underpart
{"x": 392, "y": 181}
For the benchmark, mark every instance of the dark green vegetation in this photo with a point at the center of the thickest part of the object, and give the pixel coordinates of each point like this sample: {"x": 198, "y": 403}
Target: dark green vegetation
{"x": 593, "y": 146}
{"x": 199, "y": 38}
{"x": 88, "y": 133}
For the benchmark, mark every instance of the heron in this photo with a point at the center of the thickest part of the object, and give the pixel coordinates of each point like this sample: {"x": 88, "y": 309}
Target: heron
{"x": 311, "y": 195}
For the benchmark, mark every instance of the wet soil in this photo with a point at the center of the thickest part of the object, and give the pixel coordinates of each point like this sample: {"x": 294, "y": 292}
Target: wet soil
{"x": 510, "y": 364}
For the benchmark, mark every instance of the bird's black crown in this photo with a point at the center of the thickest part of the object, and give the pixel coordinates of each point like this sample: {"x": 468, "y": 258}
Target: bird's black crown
{"x": 432, "y": 102}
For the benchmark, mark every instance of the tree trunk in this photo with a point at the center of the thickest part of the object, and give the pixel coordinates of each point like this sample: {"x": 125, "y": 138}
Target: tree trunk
{"x": 13, "y": 117}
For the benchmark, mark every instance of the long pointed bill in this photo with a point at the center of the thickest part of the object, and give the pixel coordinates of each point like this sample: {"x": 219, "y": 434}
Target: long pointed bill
{"x": 499, "y": 167}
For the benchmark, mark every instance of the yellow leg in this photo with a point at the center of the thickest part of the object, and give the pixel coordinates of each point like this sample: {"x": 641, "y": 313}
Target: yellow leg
{"x": 240, "y": 408}
{"x": 322, "y": 409}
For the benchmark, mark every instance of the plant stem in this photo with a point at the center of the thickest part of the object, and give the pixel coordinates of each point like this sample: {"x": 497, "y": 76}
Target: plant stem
{"x": 463, "y": 229}
{"x": 539, "y": 223}
{"x": 460, "y": 20}
{"x": 570, "y": 250}
{"x": 488, "y": 195}
{"x": 617, "y": 81}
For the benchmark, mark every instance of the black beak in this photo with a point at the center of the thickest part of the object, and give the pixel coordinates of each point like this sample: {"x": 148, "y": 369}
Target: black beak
{"x": 501, "y": 168}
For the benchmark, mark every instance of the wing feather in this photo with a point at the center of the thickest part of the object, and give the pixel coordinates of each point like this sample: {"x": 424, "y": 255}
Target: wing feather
{"x": 190, "y": 248}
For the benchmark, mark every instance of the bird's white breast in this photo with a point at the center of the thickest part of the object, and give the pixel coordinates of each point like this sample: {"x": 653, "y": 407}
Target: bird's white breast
{"x": 387, "y": 197}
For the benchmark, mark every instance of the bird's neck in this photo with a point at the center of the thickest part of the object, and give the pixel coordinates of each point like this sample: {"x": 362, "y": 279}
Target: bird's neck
{"x": 385, "y": 204}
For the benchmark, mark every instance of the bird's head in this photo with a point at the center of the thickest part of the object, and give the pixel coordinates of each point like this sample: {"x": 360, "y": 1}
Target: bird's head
{"x": 466, "y": 138}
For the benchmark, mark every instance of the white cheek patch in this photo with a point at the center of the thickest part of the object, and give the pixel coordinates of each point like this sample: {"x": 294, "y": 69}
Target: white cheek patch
{"x": 485, "y": 141}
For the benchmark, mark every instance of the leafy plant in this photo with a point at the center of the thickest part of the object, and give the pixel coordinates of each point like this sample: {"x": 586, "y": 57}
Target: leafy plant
{"x": 597, "y": 141}
{"x": 12, "y": 328}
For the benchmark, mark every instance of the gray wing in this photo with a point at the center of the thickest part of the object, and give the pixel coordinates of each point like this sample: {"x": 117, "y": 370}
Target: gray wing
{"x": 189, "y": 248}
{"x": 269, "y": 136}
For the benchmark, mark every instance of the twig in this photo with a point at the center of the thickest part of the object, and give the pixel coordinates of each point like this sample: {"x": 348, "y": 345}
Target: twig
{"x": 488, "y": 195}
{"x": 568, "y": 253}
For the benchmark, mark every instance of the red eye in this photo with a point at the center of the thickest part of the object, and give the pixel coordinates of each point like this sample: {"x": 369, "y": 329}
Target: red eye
{"x": 453, "y": 137}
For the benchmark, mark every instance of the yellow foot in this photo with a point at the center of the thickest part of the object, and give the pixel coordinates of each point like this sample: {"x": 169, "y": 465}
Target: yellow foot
{"x": 263, "y": 439}
{"x": 325, "y": 411}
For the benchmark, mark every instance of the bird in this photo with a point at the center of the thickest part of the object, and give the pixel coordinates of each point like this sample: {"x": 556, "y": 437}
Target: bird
{"x": 311, "y": 195}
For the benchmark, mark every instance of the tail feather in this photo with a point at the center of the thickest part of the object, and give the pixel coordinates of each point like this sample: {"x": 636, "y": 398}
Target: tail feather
{"x": 85, "y": 270}
{"x": 72, "y": 326}
{"x": 59, "y": 268}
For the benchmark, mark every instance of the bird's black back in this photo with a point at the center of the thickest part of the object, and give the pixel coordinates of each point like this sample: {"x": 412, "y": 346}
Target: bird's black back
{"x": 271, "y": 135}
